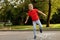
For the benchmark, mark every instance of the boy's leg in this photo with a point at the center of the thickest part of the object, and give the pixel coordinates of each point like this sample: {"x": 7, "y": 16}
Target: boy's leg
{"x": 40, "y": 25}
{"x": 34, "y": 29}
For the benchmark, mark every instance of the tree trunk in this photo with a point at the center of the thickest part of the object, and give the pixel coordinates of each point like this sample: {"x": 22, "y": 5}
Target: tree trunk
{"x": 49, "y": 13}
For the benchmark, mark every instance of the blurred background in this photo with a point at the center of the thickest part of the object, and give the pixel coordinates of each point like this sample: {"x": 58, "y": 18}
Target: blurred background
{"x": 13, "y": 13}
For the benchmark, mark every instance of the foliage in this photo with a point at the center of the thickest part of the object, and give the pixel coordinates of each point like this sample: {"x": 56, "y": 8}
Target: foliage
{"x": 15, "y": 10}
{"x": 55, "y": 17}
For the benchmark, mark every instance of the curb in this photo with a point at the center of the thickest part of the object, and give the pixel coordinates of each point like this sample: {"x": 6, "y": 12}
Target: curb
{"x": 46, "y": 29}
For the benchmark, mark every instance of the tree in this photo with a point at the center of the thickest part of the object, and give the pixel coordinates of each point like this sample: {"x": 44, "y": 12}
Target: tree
{"x": 49, "y": 13}
{"x": 55, "y": 18}
{"x": 54, "y": 5}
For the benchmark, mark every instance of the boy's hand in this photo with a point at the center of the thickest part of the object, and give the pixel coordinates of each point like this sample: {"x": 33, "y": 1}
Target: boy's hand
{"x": 42, "y": 13}
{"x": 25, "y": 22}
{"x": 45, "y": 15}
{"x": 26, "y": 19}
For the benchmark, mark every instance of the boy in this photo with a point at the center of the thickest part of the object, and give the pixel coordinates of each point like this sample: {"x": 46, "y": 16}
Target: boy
{"x": 33, "y": 13}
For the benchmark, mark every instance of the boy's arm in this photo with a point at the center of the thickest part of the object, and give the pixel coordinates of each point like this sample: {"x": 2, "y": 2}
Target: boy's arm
{"x": 41, "y": 13}
{"x": 26, "y": 19}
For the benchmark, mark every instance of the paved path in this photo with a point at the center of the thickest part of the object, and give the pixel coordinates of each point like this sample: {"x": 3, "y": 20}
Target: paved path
{"x": 28, "y": 35}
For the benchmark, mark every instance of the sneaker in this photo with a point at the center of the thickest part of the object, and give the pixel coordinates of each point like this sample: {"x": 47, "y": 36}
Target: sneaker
{"x": 34, "y": 37}
{"x": 40, "y": 30}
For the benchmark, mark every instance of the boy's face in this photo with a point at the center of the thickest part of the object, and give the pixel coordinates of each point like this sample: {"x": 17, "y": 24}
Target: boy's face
{"x": 30, "y": 6}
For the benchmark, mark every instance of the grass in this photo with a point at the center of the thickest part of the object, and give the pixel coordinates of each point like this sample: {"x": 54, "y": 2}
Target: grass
{"x": 55, "y": 25}
{"x": 30, "y": 27}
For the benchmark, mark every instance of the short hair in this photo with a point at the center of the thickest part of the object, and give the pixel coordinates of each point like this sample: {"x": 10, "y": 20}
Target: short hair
{"x": 30, "y": 4}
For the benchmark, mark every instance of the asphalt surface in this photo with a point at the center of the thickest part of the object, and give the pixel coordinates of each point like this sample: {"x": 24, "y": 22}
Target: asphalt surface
{"x": 28, "y": 35}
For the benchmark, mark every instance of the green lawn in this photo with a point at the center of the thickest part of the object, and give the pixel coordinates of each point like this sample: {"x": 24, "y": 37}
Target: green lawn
{"x": 30, "y": 27}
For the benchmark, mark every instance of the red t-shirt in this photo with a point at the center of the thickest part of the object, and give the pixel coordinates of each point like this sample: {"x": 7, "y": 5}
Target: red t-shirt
{"x": 33, "y": 14}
